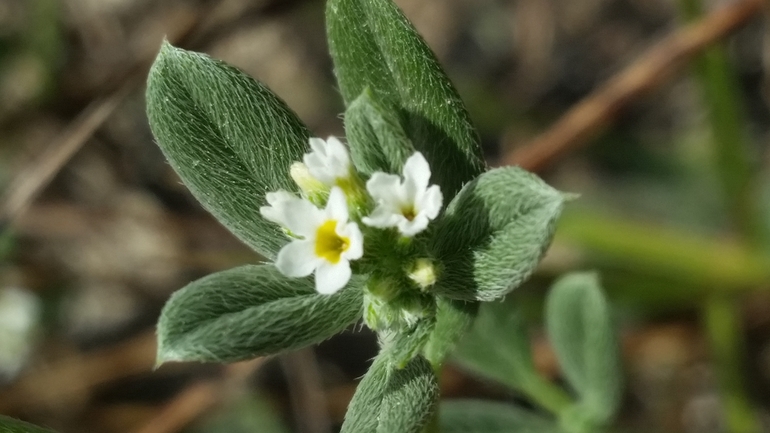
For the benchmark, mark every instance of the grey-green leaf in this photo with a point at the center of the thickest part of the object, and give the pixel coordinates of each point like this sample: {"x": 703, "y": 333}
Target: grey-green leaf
{"x": 374, "y": 46}
{"x": 390, "y": 400}
{"x": 376, "y": 136}
{"x": 583, "y": 335}
{"x": 475, "y": 416}
{"x": 453, "y": 319}
{"x": 10, "y": 425}
{"x": 251, "y": 311}
{"x": 494, "y": 233}
{"x": 498, "y": 346}
{"x": 228, "y": 137}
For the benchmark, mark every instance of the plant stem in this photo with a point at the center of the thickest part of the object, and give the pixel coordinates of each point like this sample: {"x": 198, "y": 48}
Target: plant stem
{"x": 722, "y": 321}
{"x": 433, "y": 425}
{"x": 546, "y": 395}
{"x": 692, "y": 262}
{"x": 731, "y": 159}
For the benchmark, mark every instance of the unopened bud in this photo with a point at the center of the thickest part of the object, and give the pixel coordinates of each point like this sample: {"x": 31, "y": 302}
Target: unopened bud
{"x": 310, "y": 186}
{"x": 423, "y": 273}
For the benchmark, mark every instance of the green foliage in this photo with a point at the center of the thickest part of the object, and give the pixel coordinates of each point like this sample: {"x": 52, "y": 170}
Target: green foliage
{"x": 498, "y": 346}
{"x": 251, "y": 311}
{"x": 228, "y": 137}
{"x": 453, "y": 318}
{"x": 494, "y": 233}
{"x": 10, "y": 425}
{"x": 377, "y": 140}
{"x": 583, "y": 336}
{"x": 390, "y": 400}
{"x": 375, "y": 47}
{"x": 473, "y": 416}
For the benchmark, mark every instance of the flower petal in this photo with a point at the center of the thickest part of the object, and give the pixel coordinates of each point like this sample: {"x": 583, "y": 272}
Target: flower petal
{"x": 328, "y": 160}
{"x": 430, "y": 202}
{"x": 384, "y": 187}
{"x": 317, "y": 145}
{"x": 382, "y": 217}
{"x": 297, "y": 259}
{"x": 337, "y": 152}
{"x": 353, "y": 233}
{"x": 411, "y": 228}
{"x": 270, "y": 212}
{"x": 330, "y": 278}
{"x": 296, "y": 214}
{"x": 337, "y": 205}
{"x": 416, "y": 175}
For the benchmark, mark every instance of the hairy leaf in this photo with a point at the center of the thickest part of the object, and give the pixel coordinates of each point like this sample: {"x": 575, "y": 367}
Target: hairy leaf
{"x": 494, "y": 233}
{"x": 251, "y": 311}
{"x": 376, "y": 137}
{"x": 375, "y": 47}
{"x": 498, "y": 346}
{"x": 10, "y": 425}
{"x": 583, "y": 335}
{"x": 390, "y": 400}
{"x": 403, "y": 345}
{"x": 475, "y": 416}
{"x": 453, "y": 319}
{"x": 228, "y": 137}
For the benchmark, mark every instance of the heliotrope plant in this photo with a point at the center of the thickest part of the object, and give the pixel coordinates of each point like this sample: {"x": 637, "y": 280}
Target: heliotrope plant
{"x": 401, "y": 225}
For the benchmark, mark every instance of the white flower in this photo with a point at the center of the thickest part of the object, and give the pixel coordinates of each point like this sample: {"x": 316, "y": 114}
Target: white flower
{"x": 326, "y": 242}
{"x": 409, "y": 204}
{"x": 328, "y": 160}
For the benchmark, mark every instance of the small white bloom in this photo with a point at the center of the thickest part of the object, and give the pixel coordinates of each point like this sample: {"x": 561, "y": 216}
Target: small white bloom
{"x": 409, "y": 204}
{"x": 326, "y": 241}
{"x": 328, "y": 160}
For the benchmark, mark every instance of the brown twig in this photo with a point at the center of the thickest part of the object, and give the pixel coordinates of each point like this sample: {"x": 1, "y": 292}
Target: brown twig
{"x": 585, "y": 120}
{"x": 31, "y": 181}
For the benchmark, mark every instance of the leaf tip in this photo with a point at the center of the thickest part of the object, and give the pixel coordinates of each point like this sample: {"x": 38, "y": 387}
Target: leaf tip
{"x": 166, "y": 48}
{"x": 163, "y": 357}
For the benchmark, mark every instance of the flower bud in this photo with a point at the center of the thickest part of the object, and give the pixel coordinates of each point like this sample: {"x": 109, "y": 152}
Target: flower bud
{"x": 311, "y": 187}
{"x": 423, "y": 273}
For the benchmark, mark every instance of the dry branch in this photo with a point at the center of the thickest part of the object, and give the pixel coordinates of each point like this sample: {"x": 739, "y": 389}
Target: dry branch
{"x": 589, "y": 117}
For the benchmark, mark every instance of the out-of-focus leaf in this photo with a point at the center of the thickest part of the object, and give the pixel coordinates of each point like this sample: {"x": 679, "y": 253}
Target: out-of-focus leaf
{"x": 498, "y": 346}
{"x": 475, "y": 416}
{"x": 583, "y": 336}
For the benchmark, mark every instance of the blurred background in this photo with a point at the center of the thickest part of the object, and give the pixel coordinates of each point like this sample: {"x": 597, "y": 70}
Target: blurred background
{"x": 97, "y": 230}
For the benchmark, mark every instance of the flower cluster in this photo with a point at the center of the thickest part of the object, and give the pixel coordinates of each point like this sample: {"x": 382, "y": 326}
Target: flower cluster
{"x": 326, "y": 239}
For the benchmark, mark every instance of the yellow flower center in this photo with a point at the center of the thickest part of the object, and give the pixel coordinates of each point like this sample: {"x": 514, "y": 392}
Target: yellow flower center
{"x": 328, "y": 244}
{"x": 409, "y": 212}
